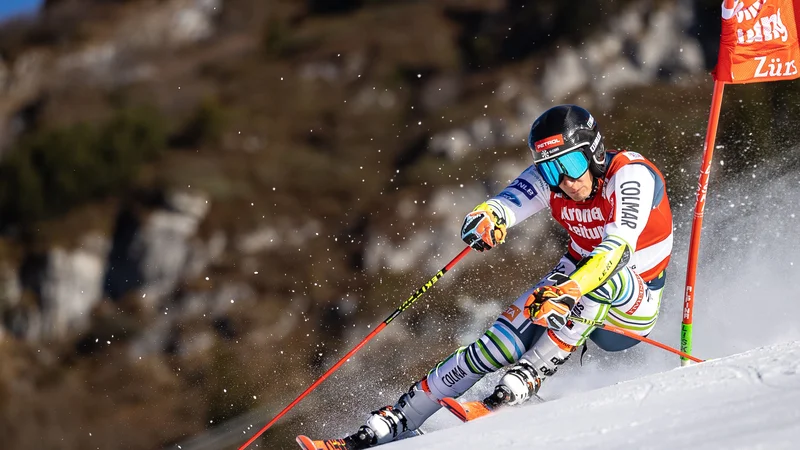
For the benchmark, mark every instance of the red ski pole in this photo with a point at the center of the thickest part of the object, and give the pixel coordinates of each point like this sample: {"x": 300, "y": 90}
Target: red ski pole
{"x": 407, "y": 304}
{"x": 624, "y": 332}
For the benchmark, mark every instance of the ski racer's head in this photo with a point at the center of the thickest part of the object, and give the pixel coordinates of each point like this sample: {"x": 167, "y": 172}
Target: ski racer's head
{"x": 568, "y": 150}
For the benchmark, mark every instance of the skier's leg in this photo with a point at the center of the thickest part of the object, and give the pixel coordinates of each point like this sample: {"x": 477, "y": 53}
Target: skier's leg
{"x": 511, "y": 337}
{"x": 611, "y": 342}
{"x": 624, "y": 300}
{"x": 635, "y": 312}
{"x": 502, "y": 344}
{"x": 545, "y": 352}
{"x": 401, "y": 420}
{"x": 523, "y": 380}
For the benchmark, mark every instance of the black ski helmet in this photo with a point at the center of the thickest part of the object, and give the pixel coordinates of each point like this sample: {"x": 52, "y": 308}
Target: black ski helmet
{"x": 566, "y": 128}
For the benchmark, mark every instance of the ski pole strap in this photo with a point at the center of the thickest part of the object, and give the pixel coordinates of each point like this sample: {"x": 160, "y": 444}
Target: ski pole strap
{"x": 618, "y": 330}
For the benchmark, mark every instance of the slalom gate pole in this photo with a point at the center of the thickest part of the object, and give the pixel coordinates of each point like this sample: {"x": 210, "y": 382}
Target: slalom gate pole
{"x": 624, "y": 332}
{"x": 697, "y": 223}
{"x": 407, "y": 304}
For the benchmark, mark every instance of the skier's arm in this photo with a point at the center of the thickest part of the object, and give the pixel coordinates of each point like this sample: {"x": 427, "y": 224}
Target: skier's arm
{"x": 524, "y": 197}
{"x": 634, "y": 191}
{"x": 485, "y": 226}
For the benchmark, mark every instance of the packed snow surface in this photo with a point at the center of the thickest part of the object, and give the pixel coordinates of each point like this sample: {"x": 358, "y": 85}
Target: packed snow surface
{"x": 746, "y": 401}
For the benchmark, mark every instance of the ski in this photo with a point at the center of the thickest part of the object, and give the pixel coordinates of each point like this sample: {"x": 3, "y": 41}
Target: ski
{"x": 329, "y": 444}
{"x": 465, "y": 411}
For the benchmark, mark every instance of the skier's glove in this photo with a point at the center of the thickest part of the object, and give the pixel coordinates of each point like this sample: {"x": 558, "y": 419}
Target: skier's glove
{"x": 550, "y": 306}
{"x": 483, "y": 228}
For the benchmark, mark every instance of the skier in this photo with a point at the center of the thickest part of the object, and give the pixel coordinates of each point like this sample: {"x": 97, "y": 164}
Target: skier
{"x": 615, "y": 209}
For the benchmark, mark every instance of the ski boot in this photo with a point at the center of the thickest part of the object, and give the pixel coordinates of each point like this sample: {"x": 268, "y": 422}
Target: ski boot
{"x": 383, "y": 425}
{"x": 400, "y": 421}
{"x": 520, "y": 383}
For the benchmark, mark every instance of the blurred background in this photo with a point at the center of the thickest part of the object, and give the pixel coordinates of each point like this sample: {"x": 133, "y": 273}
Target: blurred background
{"x": 205, "y": 203}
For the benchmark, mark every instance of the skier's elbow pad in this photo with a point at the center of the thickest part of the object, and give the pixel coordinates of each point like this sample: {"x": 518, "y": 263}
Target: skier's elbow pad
{"x": 607, "y": 259}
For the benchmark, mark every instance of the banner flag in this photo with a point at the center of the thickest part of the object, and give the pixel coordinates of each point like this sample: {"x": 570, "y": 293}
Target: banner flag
{"x": 758, "y": 41}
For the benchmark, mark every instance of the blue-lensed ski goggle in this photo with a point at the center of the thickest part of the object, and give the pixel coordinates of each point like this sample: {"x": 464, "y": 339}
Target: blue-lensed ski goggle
{"x": 573, "y": 165}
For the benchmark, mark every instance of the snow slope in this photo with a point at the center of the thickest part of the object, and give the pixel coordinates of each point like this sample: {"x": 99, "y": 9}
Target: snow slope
{"x": 746, "y": 401}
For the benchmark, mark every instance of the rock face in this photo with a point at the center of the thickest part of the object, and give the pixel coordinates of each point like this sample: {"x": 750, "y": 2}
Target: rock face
{"x": 160, "y": 252}
{"x": 10, "y": 293}
{"x": 641, "y": 45}
{"x": 110, "y": 62}
{"x": 113, "y": 62}
{"x": 72, "y": 284}
{"x": 176, "y": 23}
{"x": 153, "y": 256}
{"x": 20, "y": 84}
{"x": 68, "y": 284}
{"x": 644, "y": 43}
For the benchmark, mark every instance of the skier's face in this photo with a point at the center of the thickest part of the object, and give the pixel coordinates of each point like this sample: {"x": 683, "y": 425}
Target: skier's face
{"x": 579, "y": 188}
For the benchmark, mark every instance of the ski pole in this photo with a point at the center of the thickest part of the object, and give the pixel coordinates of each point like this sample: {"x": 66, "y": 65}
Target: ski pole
{"x": 618, "y": 330}
{"x": 407, "y": 304}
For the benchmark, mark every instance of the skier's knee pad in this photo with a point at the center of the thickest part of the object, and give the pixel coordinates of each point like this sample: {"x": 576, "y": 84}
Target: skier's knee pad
{"x": 547, "y": 354}
{"x": 418, "y": 404}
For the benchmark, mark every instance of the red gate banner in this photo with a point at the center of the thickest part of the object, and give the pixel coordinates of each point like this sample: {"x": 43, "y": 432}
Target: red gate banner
{"x": 758, "y": 41}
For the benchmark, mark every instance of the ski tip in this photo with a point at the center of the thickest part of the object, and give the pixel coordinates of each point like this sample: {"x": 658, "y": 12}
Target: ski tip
{"x": 305, "y": 443}
{"x": 465, "y": 411}
{"x": 456, "y": 408}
